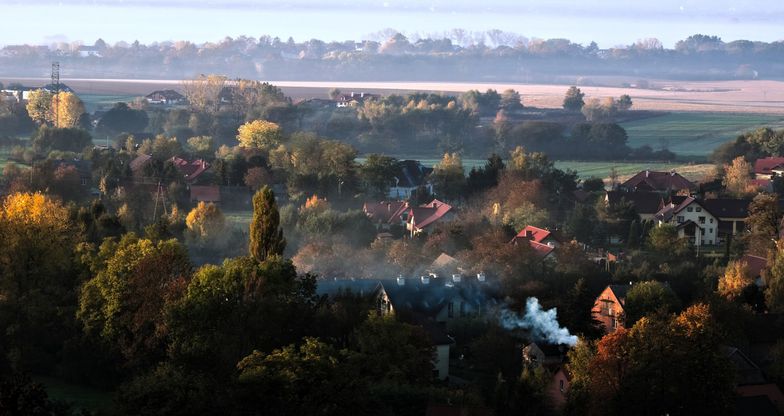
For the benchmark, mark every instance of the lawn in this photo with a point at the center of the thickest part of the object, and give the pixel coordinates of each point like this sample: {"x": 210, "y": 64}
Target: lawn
{"x": 695, "y": 134}
{"x": 239, "y": 219}
{"x": 81, "y": 397}
{"x": 93, "y": 102}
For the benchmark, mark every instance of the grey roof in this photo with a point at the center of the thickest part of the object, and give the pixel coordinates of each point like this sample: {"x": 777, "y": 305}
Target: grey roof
{"x": 643, "y": 202}
{"x": 411, "y": 174}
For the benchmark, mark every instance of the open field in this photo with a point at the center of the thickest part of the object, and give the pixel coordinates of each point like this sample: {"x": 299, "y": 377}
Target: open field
{"x": 695, "y": 134}
{"x": 94, "y": 102}
{"x": 763, "y": 97}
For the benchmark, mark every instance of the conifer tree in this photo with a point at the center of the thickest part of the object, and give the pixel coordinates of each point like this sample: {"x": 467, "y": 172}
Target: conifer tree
{"x": 266, "y": 236}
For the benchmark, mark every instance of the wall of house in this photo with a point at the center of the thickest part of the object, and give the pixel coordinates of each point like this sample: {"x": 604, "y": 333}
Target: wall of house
{"x": 557, "y": 389}
{"x": 710, "y": 224}
{"x": 460, "y": 309}
{"x": 441, "y": 362}
{"x": 611, "y": 315}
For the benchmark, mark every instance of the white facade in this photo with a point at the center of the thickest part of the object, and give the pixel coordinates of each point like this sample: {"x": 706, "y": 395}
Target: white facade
{"x": 707, "y": 226}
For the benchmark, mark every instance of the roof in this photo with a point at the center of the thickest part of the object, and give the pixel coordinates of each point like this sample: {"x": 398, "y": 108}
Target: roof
{"x": 427, "y": 214}
{"x": 139, "y": 162}
{"x": 727, "y": 207}
{"x": 766, "y": 165}
{"x": 411, "y": 174}
{"x": 385, "y": 211}
{"x": 620, "y": 292}
{"x": 169, "y": 95}
{"x": 658, "y": 181}
{"x": 191, "y": 170}
{"x": 356, "y": 286}
{"x": 643, "y": 202}
{"x": 756, "y": 264}
{"x": 445, "y": 261}
{"x": 536, "y": 234}
{"x": 205, "y": 193}
{"x": 671, "y": 209}
{"x": 542, "y": 250}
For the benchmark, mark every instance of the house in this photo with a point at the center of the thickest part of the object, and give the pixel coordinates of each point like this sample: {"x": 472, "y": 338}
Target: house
{"x": 82, "y": 167}
{"x": 165, "y": 97}
{"x": 18, "y": 94}
{"x": 542, "y": 241}
{"x": 410, "y": 175}
{"x": 692, "y": 221}
{"x": 608, "y": 308}
{"x": 731, "y": 213}
{"x": 419, "y": 219}
{"x": 138, "y": 163}
{"x": 385, "y": 213}
{"x": 558, "y": 387}
{"x": 446, "y": 265}
{"x": 205, "y": 194}
{"x": 750, "y": 380}
{"x": 646, "y": 204}
{"x": 89, "y": 51}
{"x": 429, "y": 301}
{"x": 768, "y": 167}
{"x": 190, "y": 170}
{"x": 652, "y": 181}
{"x": 354, "y": 99}
{"x": 543, "y": 354}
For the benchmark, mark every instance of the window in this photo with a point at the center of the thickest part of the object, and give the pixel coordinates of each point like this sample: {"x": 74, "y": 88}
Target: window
{"x": 689, "y": 209}
{"x": 702, "y": 231}
{"x": 702, "y": 220}
{"x": 561, "y": 385}
{"x": 711, "y": 220}
{"x": 450, "y": 310}
{"x": 710, "y": 231}
{"x": 699, "y": 209}
{"x": 680, "y": 219}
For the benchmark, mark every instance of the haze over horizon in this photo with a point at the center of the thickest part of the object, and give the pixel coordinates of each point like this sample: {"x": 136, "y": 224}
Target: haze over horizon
{"x": 611, "y": 23}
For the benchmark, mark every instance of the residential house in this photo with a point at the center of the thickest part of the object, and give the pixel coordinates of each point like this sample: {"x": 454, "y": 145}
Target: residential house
{"x": 386, "y": 213}
{"x": 190, "y": 171}
{"x": 420, "y": 219}
{"x": 209, "y": 193}
{"x": 750, "y": 380}
{"x": 692, "y": 221}
{"x": 769, "y": 167}
{"x": 543, "y": 354}
{"x": 608, "y": 308}
{"x": 558, "y": 387}
{"x": 652, "y": 181}
{"x": 429, "y": 301}
{"x": 410, "y": 175}
{"x": 645, "y": 203}
{"x": 543, "y": 242}
{"x": 89, "y": 51}
{"x": 138, "y": 163}
{"x": 83, "y": 169}
{"x": 18, "y": 94}
{"x": 731, "y": 213}
{"x": 165, "y": 97}
{"x": 354, "y": 99}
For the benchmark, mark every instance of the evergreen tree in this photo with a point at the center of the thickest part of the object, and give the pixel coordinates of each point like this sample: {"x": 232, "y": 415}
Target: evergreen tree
{"x": 266, "y": 236}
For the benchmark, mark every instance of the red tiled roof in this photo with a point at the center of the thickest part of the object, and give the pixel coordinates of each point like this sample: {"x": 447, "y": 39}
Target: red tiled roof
{"x": 537, "y": 234}
{"x": 205, "y": 193}
{"x": 765, "y": 165}
{"x": 385, "y": 211}
{"x": 658, "y": 181}
{"x": 542, "y": 250}
{"x": 191, "y": 170}
{"x": 421, "y": 217}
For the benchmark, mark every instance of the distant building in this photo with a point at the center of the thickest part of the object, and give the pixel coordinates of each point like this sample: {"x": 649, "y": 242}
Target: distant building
{"x": 190, "y": 170}
{"x": 354, "y": 99}
{"x": 419, "y": 219}
{"x": 542, "y": 241}
{"x": 89, "y": 51}
{"x": 692, "y": 221}
{"x": 608, "y": 308}
{"x": 769, "y": 167}
{"x": 652, "y": 181}
{"x": 410, "y": 175}
{"x": 165, "y": 97}
{"x": 646, "y": 204}
{"x": 210, "y": 193}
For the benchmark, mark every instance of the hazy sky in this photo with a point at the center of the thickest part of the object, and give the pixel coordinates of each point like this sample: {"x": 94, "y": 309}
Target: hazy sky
{"x": 608, "y": 22}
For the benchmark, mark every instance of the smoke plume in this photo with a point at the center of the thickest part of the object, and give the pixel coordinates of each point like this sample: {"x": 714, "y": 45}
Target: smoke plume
{"x": 542, "y": 325}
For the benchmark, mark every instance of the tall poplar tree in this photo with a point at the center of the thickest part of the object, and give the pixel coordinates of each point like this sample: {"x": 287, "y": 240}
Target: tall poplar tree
{"x": 266, "y": 236}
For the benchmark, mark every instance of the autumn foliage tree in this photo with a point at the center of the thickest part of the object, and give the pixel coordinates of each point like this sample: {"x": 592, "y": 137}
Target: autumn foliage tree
{"x": 737, "y": 177}
{"x": 736, "y": 278}
{"x": 260, "y": 134}
{"x": 206, "y": 221}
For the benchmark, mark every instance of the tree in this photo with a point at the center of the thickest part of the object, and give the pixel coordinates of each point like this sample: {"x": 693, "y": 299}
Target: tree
{"x": 737, "y": 177}
{"x": 378, "y": 174}
{"x": 573, "y": 100}
{"x": 449, "y": 177}
{"x": 206, "y": 221}
{"x": 624, "y": 102}
{"x": 39, "y": 106}
{"x": 47, "y": 139}
{"x": 266, "y": 236}
{"x": 645, "y": 298}
{"x": 121, "y": 118}
{"x": 763, "y": 224}
{"x": 334, "y": 93}
{"x": 257, "y": 177}
{"x": 664, "y": 240}
{"x": 774, "y": 281}
{"x": 260, "y": 134}
{"x": 735, "y": 280}
{"x": 511, "y": 100}
{"x": 202, "y": 145}
{"x": 204, "y": 93}
{"x": 596, "y": 111}
{"x": 67, "y": 110}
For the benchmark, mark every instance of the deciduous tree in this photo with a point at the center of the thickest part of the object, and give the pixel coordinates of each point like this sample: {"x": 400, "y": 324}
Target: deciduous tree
{"x": 260, "y": 134}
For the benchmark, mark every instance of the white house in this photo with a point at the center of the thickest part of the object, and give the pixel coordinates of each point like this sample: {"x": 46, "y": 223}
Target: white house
{"x": 692, "y": 221}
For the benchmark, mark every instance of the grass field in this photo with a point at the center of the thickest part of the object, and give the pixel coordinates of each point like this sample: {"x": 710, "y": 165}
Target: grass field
{"x": 695, "y": 134}
{"x": 93, "y": 102}
{"x": 80, "y": 397}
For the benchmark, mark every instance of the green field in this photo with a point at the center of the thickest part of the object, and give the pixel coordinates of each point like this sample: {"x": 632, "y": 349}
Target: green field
{"x": 695, "y": 134}
{"x": 93, "y": 102}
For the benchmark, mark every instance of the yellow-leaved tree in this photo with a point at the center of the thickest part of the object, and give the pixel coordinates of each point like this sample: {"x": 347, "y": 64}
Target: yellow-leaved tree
{"x": 737, "y": 177}
{"x": 736, "y": 278}
{"x": 206, "y": 221}
{"x": 39, "y": 106}
{"x": 260, "y": 134}
{"x": 67, "y": 109}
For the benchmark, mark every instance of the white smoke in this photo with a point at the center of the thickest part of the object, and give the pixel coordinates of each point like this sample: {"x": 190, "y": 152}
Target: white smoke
{"x": 541, "y": 325}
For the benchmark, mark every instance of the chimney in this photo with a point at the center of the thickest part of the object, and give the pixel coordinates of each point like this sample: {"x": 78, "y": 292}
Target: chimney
{"x": 362, "y": 95}
{"x": 647, "y": 173}
{"x": 529, "y": 234}
{"x": 550, "y": 244}
{"x": 481, "y": 277}
{"x": 456, "y": 278}
{"x": 401, "y": 281}
{"x": 352, "y": 94}
{"x": 425, "y": 280}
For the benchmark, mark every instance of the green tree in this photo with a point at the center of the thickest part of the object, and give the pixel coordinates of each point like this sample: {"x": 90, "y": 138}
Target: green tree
{"x": 266, "y": 236}
{"x": 763, "y": 223}
{"x": 378, "y": 174}
{"x": 39, "y": 106}
{"x": 121, "y": 118}
{"x": 449, "y": 177}
{"x": 624, "y": 102}
{"x": 511, "y": 100}
{"x": 648, "y": 297}
{"x": 664, "y": 239}
{"x": 573, "y": 100}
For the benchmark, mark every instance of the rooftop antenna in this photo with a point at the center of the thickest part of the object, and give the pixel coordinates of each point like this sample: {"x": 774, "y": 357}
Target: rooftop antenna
{"x": 56, "y": 91}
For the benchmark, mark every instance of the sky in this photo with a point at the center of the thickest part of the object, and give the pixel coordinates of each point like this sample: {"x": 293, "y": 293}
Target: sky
{"x": 608, "y": 22}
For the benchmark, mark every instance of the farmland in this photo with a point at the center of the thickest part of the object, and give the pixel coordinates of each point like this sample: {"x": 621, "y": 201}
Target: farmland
{"x": 695, "y": 134}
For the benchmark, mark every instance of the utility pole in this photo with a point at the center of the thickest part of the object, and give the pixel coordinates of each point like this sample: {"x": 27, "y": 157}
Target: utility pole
{"x": 56, "y": 92}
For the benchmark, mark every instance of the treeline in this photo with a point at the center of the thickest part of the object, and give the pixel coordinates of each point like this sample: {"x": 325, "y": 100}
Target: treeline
{"x": 498, "y": 57}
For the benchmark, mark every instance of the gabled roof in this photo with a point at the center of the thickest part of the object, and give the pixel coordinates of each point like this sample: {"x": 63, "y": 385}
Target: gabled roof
{"x": 205, "y": 193}
{"x": 385, "y": 212}
{"x": 421, "y": 217}
{"x": 766, "y": 165}
{"x": 169, "y": 95}
{"x": 658, "y": 181}
{"x": 643, "y": 202}
{"x": 542, "y": 250}
{"x": 139, "y": 162}
{"x": 620, "y": 291}
{"x": 191, "y": 170}
{"x": 727, "y": 207}
{"x": 411, "y": 174}
{"x": 445, "y": 261}
{"x": 536, "y": 234}
{"x": 671, "y": 209}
